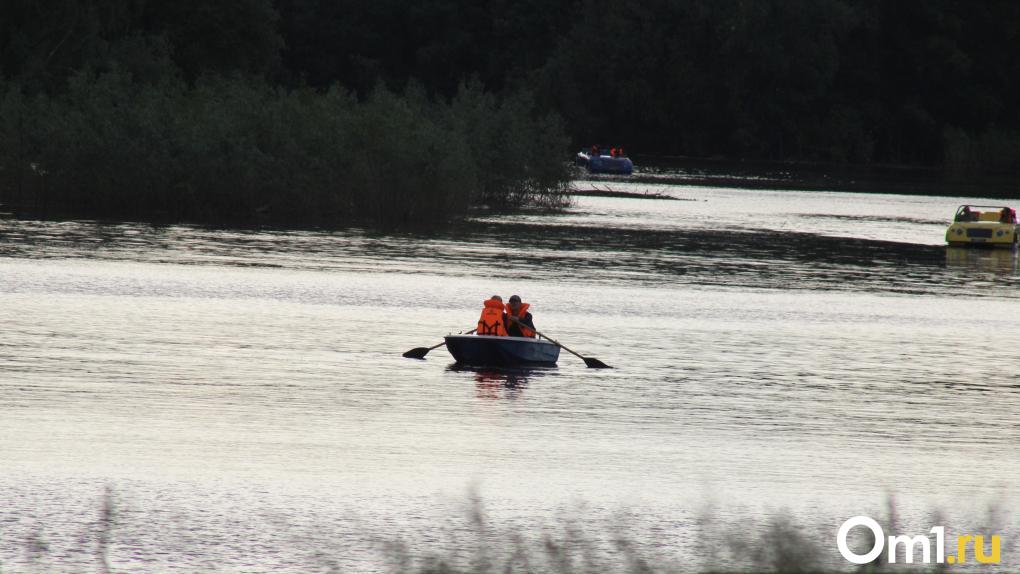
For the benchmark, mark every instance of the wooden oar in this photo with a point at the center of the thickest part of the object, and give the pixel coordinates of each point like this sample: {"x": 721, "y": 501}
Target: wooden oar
{"x": 592, "y": 362}
{"x": 420, "y": 352}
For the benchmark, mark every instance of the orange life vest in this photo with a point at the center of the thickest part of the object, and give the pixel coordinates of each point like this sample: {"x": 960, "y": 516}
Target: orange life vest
{"x": 521, "y": 313}
{"x": 491, "y": 321}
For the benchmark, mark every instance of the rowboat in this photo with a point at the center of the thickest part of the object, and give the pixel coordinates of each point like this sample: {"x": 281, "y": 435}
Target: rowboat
{"x": 493, "y": 351}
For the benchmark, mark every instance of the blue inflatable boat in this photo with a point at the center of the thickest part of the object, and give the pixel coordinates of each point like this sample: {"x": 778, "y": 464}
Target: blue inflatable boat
{"x": 604, "y": 160}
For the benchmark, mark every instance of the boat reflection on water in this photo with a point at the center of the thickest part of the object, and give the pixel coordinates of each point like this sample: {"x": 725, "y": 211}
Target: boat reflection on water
{"x": 999, "y": 261}
{"x": 494, "y": 383}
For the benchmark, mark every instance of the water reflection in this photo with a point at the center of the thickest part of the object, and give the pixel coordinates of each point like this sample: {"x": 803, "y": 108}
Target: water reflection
{"x": 997, "y": 261}
{"x": 493, "y": 383}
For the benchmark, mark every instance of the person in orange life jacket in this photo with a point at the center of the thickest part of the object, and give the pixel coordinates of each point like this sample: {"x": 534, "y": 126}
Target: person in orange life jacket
{"x": 519, "y": 323}
{"x": 492, "y": 320}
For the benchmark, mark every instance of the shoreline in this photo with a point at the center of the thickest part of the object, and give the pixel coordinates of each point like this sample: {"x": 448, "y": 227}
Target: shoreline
{"x": 721, "y": 173}
{"x": 939, "y": 181}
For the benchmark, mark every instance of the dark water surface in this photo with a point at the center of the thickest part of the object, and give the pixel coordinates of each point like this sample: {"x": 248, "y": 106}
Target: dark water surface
{"x": 242, "y": 395}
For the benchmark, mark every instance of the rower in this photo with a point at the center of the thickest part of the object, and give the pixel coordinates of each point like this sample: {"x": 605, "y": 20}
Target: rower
{"x": 519, "y": 322}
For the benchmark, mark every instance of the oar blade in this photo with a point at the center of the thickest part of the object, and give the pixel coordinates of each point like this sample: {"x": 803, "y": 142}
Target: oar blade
{"x": 594, "y": 363}
{"x": 417, "y": 353}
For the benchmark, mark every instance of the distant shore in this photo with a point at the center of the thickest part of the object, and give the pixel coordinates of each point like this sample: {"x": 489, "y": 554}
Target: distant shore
{"x": 37, "y": 201}
{"x": 811, "y": 176}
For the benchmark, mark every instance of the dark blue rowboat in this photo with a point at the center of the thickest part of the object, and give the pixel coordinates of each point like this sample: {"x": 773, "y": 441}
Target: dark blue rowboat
{"x": 491, "y": 351}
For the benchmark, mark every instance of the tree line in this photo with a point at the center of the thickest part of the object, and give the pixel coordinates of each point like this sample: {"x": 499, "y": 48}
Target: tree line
{"x": 185, "y": 112}
{"x": 864, "y": 81}
{"x": 922, "y": 82}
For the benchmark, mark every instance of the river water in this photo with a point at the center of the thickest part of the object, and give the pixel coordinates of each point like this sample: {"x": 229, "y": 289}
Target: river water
{"x": 181, "y": 399}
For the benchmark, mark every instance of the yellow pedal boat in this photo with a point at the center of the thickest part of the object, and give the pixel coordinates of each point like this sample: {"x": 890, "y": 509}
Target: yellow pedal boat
{"x": 983, "y": 225}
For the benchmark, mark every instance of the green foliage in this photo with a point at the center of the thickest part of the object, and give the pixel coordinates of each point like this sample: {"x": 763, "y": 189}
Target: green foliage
{"x": 237, "y": 149}
{"x": 511, "y": 147}
{"x": 701, "y": 78}
{"x": 44, "y": 41}
{"x": 226, "y": 36}
{"x": 992, "y": 152}
{"x": 871, "y": 81}
{"x": 438, "y": 42}
{"x": 843, "y": 80}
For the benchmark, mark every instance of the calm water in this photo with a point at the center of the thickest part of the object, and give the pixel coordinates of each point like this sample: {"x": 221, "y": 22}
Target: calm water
{"x": 242, "y": 398}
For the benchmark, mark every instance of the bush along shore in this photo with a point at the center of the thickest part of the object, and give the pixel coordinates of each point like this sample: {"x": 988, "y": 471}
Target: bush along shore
{"x": 238, "y": 150}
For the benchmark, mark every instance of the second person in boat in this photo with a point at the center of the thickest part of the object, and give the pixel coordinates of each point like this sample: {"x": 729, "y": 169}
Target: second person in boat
{"x": 519, "y": 322}
{"x": 493, "y": 318}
